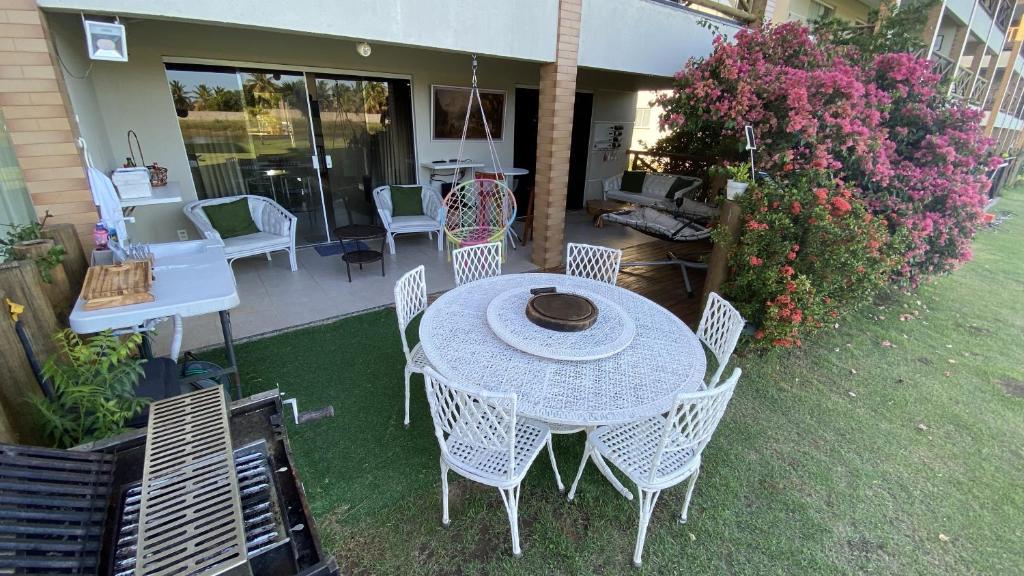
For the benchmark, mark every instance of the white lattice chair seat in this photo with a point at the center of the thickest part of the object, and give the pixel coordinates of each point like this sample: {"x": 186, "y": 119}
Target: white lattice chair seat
{"x": 632, "y": 447}
{"x": 531, "y": 437}
{"x": 417, "y": 358}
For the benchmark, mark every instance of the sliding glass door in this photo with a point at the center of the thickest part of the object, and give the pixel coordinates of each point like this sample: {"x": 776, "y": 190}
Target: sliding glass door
{"x": 365, "y": 137}
{"x": 316, "y": 144}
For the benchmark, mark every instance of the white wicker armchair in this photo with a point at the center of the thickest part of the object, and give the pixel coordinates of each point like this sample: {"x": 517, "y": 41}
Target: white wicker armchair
{"x": 431, "y": 221}
{"x": 276, "y": 225}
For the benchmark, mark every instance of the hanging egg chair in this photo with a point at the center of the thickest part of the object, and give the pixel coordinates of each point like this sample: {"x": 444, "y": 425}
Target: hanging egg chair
{"x": 482, "y": 209}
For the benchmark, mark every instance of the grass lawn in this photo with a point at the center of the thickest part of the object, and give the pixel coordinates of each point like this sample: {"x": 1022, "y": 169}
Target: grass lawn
{"x": 891, "y": 445}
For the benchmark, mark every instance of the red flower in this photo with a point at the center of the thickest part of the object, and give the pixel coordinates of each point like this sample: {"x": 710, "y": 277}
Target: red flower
{"x": 791, "y": 256}
{"x": 786, "y": 271}
{"x": 759, "y": 335}
{"x": 797, "y": 317}
{"x": 790, "y": 286}
{"x": 822, "y": 195}
{"x": 795, "y": 248}
{"x": 840, "y": 206}
{"x": 755, "y": 261}
{"x": 795, "y": 208}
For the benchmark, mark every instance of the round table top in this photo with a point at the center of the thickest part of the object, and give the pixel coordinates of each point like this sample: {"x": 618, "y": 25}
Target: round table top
{"x": 664, "y": 358}
{"x": 359, "y": 232}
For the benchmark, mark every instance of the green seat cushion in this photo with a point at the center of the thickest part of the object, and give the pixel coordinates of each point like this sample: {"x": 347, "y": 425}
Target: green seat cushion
{"x": 633, "y": 181}
{"x": 406, "y": 201}
{"x": 231, "y": 219}
{"x": 676, "y": 186}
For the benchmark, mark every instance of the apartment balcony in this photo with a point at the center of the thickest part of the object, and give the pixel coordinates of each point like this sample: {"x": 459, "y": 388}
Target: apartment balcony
{"x": 966, "y": 87}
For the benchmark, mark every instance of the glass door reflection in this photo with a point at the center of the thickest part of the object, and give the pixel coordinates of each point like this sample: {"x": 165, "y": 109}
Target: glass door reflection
{"x": 364, "y": 128}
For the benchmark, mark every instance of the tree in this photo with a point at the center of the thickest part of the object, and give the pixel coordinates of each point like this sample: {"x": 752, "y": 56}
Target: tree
{"x": 179, "y": 95}
{"x": 203, "y": 97}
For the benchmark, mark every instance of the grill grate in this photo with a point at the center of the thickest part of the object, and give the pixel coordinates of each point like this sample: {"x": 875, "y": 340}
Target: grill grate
{"x": 190, "y": 517}
{"x": 52, "y": 506}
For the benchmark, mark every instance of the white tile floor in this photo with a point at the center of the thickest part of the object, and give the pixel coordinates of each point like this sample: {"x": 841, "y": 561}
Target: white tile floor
{"x": 273, "y": 298}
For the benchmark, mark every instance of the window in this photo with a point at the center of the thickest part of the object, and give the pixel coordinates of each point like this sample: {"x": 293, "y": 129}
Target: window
{"x": 643, "y": 118}
{"x": 820, "y": 11}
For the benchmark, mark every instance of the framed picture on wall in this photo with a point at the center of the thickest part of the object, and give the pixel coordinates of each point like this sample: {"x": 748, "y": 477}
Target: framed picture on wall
{"x": 448, "y": 113}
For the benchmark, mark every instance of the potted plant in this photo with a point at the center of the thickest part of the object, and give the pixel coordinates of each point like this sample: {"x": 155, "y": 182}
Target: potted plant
{"x": 739, "y": 179}
{"x": 91, "y": 388}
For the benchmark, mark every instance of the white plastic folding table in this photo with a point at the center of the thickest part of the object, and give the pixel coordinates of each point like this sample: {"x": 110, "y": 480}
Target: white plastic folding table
{"x": 189, "y": 279}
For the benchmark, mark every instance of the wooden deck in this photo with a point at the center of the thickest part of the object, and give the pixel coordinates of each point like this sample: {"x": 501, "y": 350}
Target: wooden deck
{"x": 664, "y": 284}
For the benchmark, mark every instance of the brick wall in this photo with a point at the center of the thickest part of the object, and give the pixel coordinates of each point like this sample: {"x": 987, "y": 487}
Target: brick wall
{"x": 38, "y": 117}
{"x": 554, "y": 133}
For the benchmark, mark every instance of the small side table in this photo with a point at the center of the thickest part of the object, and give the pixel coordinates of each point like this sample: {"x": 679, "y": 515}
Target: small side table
{"x": 598, "y": 208}
{"x": 355, "y": 232}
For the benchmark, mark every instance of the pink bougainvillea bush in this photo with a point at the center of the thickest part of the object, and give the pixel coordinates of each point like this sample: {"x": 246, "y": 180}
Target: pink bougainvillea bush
{"x": 880, "y": 127}
{"x": 885, "y": 130}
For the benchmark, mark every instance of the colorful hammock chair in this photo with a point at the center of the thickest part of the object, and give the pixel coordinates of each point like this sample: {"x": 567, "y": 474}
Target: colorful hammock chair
{"x": 481, "y": 209}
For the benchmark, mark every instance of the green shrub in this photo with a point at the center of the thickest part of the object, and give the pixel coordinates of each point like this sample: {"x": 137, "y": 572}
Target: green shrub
{"x": 809, "y": 251}
{"x": 93, "y": 384}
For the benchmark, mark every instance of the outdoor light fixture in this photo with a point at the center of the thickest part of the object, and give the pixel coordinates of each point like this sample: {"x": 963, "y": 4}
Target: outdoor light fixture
{"x": 364, "y": 50}
{"x": 105, "y": 41}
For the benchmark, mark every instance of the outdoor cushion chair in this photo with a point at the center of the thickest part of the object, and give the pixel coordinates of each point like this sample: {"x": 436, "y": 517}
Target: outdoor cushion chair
{"x": 410, "y": 300}
{"x": 275, "y": 228}
{"x": 664, "y": 450}
{"x": 593, "y": 262}
{"x": 482, "y": 439}
{"x": 476, "y": 262}
{"x": 429, "y": 220}
{"x": 719, "y": 329}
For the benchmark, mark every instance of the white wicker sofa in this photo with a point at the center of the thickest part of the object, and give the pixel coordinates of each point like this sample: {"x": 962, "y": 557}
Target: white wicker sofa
{"x": 276, "y": 225}
{"x": 654, "y": 193}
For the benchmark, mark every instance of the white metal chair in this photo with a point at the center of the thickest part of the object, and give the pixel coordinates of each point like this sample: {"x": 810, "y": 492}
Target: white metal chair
{"x": 482, "y": 439}
{"x": 593, "y": 262}
{"x": 410, "y": 300}
{"x": 720, "y": 328}
{"x": 276, "y": 228}
{"x": 476, "y": 262}
{"x": 661, "y": 452}
{"x": 431, "y": 221}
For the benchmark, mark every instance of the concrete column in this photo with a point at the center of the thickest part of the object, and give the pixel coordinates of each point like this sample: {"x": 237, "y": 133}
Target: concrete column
{"x": 554, "y": 134}
{"x": 38, "y": 117}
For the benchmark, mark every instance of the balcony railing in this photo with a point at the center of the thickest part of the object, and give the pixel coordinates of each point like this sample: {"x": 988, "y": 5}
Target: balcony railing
{"x": 1004, "y": 9}
{"x": 740, "y": 10}
{"x": 942, "y": 65}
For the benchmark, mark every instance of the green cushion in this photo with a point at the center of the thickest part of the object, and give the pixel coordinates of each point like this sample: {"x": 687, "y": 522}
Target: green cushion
{"x": 676, "y": 186}
{"x": 406, "y": 201}
{"x": 633, "y": 181}
{"x": 231, "y": 219}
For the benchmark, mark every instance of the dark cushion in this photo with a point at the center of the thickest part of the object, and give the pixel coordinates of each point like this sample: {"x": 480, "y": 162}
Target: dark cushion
{"x": 231, "y": 219}
{"x": 633, "y": 181}
{"x": 159, "y": 381}
{"x": 676, "y": 186}
{"x": 406, "y": 201}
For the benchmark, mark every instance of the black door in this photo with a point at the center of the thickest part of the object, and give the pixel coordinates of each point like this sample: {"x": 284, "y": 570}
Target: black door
{"x": 579, "y": 150}
{"x": 524, "y": 149}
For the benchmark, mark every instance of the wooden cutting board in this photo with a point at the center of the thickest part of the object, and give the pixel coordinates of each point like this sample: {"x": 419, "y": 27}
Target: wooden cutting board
{"x": 118, "y": 284}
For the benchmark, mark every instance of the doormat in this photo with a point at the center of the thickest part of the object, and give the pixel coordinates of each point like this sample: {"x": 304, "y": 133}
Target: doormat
{"x": 334, "y": 248}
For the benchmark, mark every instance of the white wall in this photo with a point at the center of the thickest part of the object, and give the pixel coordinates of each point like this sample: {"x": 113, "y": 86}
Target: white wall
{"x": 524, "y": 29}
{"x": 609, "y": 106}
{"x": 643, "y": 36}
{"x": 117, "y": 97}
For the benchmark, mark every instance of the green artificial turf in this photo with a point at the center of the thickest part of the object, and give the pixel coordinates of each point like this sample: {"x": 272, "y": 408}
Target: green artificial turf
{"x": 891, "y": 445}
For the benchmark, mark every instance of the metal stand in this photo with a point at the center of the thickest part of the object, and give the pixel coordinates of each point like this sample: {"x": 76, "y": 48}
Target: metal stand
{"x": 673, "y": 260}
{"x": 231, "y": 369}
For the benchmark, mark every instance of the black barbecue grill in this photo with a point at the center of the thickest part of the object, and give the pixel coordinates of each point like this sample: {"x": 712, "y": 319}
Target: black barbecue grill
{"x": 200, "y": 493}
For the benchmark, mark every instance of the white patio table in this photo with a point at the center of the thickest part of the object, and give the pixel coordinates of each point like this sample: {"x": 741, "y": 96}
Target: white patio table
{"x": 190, "y": 279}
{"x": 641, "y": 379}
